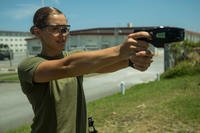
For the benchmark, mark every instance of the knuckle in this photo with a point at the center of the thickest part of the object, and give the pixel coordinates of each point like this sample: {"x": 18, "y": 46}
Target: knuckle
{"x": 142, "y": 69}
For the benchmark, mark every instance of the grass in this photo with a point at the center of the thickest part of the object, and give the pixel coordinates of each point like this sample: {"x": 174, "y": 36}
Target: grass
{"x": 9, "y": 77}
{"x": 183, "y": 68}
{"x": 169, "y": 105}
{"x": 22, "y": 129}
{"x": 166, "y": 106}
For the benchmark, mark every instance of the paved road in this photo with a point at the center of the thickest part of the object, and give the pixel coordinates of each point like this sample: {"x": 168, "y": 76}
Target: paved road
{"x": 15, "y": 109}
{"x": 18, "y": 57}
{"x": 107, "y": 84}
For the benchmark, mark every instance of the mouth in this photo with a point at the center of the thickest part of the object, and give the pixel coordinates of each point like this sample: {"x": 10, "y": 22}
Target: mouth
{"x": 62, "y": 42}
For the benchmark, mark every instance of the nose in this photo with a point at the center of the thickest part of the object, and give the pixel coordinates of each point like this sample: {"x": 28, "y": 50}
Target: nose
{"x": 64, "y": 34}
{"x": 64, "y": 31}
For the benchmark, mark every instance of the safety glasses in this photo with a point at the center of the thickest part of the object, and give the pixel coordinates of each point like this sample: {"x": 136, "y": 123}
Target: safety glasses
{"x": 56, "y": 29}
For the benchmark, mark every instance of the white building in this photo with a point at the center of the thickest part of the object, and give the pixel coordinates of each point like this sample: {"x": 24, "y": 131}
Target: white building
{"x": 33, "y": 46}
{"x": 192, "y": 36}
{"x": 15, "y": 40}
{"x": 99, "y": 38}
{"x": 88, "y": 39}
{"x": 85, "y": 39}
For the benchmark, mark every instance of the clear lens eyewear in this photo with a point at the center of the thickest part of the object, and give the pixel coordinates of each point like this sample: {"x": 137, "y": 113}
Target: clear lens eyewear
{"x": 58, "y": 29}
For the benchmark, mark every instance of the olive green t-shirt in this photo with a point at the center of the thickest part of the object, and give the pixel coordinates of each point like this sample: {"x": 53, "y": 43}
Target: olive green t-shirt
{"x": 59, "y": 105}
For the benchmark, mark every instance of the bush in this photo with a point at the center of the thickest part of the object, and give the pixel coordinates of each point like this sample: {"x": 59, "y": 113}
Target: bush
{"x": 183, "y": 68}
{"x": 185, "y": 51}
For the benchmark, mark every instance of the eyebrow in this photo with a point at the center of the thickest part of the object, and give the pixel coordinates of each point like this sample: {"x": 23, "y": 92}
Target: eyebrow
{"x": 58, "y": 25}
{"x": 64, "y": 25}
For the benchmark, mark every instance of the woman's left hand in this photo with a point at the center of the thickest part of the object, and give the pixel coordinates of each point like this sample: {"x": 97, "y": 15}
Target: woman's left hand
{"x": 142, "y": 60}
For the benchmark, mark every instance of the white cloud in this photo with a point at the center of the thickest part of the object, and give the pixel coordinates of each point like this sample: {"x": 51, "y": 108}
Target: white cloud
{"x": 21, "y": 11}
{"x": 56, "y": 1}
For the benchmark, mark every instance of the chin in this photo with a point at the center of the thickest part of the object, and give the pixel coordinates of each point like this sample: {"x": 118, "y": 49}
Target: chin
{"x": 61, "y": 46}
{"x": 63, "y": 49}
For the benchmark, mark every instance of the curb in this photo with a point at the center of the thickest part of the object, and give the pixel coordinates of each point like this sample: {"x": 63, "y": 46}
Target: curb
{"x": 8, "y": 69}
{"x": 9, "y": 81}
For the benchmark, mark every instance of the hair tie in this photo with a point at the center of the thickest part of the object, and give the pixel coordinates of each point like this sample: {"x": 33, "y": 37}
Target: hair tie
{"x": 32, "y": 29}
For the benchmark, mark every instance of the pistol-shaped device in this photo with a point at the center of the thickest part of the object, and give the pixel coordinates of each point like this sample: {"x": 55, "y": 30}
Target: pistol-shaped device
{"x": 162, "y": 35}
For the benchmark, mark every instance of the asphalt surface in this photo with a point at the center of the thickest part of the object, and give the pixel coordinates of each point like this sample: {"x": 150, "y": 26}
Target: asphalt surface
{"x": 15, "y": 109}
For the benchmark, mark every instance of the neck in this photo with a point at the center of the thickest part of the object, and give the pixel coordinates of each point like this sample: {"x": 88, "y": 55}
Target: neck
{"x": 51, "y": 53}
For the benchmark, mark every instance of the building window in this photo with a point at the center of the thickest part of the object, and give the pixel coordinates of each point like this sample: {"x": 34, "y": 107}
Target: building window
{"x": 36, "y": 48}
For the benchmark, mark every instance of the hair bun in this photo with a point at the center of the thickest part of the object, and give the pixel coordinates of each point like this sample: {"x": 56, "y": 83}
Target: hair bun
{"x": 32, "y": 29}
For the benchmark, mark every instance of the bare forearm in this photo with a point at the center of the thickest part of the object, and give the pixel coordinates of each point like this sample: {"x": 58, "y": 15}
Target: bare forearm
{"x": 114, "y": 67}
{"x": 105, "y": 60}
{"x": 77, "y": 64}
{"x": 91, "y": 62}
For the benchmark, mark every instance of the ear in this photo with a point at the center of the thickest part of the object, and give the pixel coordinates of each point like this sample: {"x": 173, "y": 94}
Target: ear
{"x": 36, "y": 31}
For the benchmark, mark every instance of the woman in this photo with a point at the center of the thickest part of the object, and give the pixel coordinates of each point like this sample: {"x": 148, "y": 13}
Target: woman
{"x": 52, "y": 80}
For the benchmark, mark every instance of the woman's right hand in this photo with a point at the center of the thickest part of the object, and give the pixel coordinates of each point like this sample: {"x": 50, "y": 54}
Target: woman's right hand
{"x": 132, "y": 44}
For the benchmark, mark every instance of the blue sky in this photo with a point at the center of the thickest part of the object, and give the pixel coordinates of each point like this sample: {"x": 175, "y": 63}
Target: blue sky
{"x": 16, "y": 15}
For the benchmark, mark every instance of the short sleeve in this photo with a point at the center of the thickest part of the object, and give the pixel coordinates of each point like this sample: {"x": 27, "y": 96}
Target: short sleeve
{"x": 27, "y": 68}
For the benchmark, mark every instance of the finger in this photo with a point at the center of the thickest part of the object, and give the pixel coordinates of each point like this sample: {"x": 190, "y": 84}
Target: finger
{"x": 146, "y": 64}
{"x": 137, "y": 49}
{"x": 143, "y": 62}
{"x": 145, "y": 53}
{"x": 140, "y": 68}
{"x": 149, "y": 53}
{"x": 141, "y": 34}
{"x": 143, "y": 44}
{"x": 138, "y": 43}
{"x": 142, "y": 59}
{"x": 131, "y": 41}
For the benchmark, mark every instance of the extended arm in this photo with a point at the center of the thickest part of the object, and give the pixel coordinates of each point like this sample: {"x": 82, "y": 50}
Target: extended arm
{"x": 141, "y": 61}
{"x": 89, "y": 62}
{"x": 114, "y": 67}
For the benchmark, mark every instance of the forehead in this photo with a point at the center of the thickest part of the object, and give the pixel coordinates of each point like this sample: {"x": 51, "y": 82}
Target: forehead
{"x": 57, "y": 19}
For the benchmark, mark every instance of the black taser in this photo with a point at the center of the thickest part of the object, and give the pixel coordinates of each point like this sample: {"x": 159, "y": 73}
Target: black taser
{"x": 161, "y": 35}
